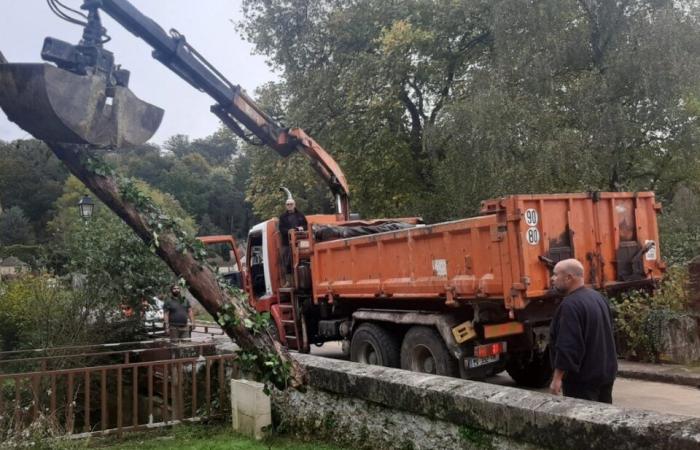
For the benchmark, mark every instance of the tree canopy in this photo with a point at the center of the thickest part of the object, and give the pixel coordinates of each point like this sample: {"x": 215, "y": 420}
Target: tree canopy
{"x": 431, "y": 107}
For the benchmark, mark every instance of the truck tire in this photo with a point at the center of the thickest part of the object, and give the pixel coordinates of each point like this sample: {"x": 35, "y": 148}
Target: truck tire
{"x": 531, "y": 370}
{"x": 372, "y": 344}
{"x": 423, "y": 350}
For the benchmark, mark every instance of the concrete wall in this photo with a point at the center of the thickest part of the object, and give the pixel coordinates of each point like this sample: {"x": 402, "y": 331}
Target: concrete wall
{"x": 378, "y": 407}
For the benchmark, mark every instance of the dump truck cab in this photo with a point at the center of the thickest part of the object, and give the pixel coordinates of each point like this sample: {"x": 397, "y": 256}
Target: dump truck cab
{"x": 264, "y": 266}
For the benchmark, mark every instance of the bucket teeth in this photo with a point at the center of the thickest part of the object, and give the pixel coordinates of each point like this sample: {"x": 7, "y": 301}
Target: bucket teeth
{"x": 56, "y": 105}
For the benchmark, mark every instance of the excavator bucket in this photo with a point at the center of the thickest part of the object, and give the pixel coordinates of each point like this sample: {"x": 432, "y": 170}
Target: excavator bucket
{"x": 56, "y": 105}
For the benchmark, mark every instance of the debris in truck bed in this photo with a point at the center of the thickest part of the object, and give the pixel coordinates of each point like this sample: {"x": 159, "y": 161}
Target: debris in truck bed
{"x": 332, "y": 232}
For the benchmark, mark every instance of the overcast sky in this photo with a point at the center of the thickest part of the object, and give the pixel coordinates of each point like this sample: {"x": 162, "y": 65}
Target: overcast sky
{"x": 206, "y": 24}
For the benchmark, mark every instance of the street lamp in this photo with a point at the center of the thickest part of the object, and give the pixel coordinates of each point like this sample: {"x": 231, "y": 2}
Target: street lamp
{"x": 85, "y": 206}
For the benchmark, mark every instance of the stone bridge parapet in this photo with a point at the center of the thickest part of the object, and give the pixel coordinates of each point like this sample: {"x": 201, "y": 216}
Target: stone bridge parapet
{"x": 378, "y": 407}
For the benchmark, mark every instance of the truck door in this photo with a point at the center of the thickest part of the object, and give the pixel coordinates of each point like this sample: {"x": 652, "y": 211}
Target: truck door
{"x": 256, "y": 261}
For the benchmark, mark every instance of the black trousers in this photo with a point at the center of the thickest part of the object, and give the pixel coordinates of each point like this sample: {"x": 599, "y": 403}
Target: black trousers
{"x": 287, "y": 258}
{"x": 595, "y": 392}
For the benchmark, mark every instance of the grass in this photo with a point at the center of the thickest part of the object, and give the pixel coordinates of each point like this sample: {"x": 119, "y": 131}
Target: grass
{"x": 195, "y": 437}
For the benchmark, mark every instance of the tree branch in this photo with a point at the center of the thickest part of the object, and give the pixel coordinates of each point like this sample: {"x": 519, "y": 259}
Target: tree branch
{"x": 201, "y": 280}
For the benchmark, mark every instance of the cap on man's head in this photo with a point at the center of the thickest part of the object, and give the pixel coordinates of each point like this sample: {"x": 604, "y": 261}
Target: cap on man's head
{"x": 290, "y": 201}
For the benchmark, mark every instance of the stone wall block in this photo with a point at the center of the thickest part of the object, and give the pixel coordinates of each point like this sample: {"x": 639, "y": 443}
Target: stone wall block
{"x": 523, "y": 416}
{"x": 251, "y": 411}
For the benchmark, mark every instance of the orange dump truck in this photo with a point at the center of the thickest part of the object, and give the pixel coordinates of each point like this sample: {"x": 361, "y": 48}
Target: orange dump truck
{"x": 464, "y": 298}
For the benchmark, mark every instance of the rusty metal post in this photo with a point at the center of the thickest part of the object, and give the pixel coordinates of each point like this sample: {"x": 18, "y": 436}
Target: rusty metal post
{"x": 194, "y": 389}
{"x": 166, "y": 369}
{"x": 53, "y": 398}
{"x": 135, "y": 396}
{"x": 180, "y": 391}
{"x": 119, "y": 401}
{"x": 70, "y": 411}
{"x": 35, "y": 396}
{"x": 208, "y": 387}
{"x": 18, "y": 407}
{"x": 222, "y": 385}
{"x": 103, "y": 399}
{"x": 150, "y": 394}
{"x": 86, "y": 425}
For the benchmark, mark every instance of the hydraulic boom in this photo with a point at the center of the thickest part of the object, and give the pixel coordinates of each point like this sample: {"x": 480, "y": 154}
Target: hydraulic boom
{"x": 89, "y": 61}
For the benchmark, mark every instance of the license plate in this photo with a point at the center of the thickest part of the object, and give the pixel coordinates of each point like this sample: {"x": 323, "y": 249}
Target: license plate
{"x": 476, "y": 362}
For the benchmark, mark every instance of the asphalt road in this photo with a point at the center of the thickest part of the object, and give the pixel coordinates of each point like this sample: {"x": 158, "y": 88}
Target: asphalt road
{"x": 627, "y": 393}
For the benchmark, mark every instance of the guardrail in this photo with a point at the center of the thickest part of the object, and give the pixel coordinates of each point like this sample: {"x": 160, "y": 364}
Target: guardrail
{"x": 118, "y": 397}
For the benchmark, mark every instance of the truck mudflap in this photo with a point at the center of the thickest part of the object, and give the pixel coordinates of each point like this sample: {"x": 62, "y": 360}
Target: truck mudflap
{"x": 443, "y": 323}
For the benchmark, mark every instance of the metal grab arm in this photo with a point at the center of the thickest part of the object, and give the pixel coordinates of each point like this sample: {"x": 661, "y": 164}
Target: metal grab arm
{"x": 234, "y": 107}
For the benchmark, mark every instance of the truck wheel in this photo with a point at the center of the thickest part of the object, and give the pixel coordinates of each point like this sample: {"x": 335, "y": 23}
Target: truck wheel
{"x": 530, "y": 369}
{"x": 372, "y": 344}
{"x": 423, "y": 350}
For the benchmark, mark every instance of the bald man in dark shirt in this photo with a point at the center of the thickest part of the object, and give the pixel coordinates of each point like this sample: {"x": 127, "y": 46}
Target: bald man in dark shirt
{"x": 582, "y": 344}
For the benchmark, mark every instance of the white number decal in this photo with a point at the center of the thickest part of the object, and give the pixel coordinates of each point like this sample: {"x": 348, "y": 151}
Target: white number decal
{"x": 440, "y": 267}
{"x": 531, "y": 217}
{"x": 533, "y": 236}
{"x": 651, "y": 253}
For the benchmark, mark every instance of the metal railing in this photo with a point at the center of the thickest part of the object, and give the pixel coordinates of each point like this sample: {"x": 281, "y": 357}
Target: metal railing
{"x": 119, "y": 397}
{"x": 79, "y": 356}
{"x": 155, "y": 328}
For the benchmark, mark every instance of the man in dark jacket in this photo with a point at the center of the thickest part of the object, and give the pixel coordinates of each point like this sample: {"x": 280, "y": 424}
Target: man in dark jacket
{"x": 582, "y": 345}
{"x": 291, "y": 219}
{"x": 177, "y": 312}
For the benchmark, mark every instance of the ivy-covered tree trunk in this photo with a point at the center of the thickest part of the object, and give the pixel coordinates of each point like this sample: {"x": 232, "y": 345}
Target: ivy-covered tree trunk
{"x": 230, "y": 309}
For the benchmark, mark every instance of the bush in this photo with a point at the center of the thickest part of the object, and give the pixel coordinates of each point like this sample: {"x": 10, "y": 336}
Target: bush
{"x": 641, "y": 316}
{"x": 40, "y": 311}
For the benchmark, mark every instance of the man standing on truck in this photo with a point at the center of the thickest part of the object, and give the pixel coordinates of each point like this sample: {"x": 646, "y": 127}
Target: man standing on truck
{"x": 176, "y": 313}
{"x": 291, "y": 219}
{"x": 582, "y": 345}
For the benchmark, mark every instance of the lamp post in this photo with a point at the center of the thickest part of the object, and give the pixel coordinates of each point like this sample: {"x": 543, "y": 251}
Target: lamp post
{"x": 85, "y": 207}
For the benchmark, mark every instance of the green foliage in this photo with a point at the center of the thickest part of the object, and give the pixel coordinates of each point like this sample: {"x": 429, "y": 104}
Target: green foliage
{"x": 476, "y": 437}
{"x": 15, "y": 227}
{"x": 38, "y": 311}
{"x": 193, "y": 437}
{"x": 31, "y": 178}
{"x": 34, "y": 255}
{"x": 206, "y": 176}
{"x": 42, "y": 434}
{"x": 264, "y": 366}
{"x": 272, "y": 171}
{"x": 640, "y": 317}
{"x": 227, "y": 316}
{"x": 431, "y": 107}
{"x": 118, "y": 268}
{"x": 680, "y": 227}
{"x": 217, "y": 149}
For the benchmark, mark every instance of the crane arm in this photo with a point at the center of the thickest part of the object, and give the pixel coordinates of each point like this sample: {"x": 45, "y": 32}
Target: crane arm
{"x": 233, "y": 106}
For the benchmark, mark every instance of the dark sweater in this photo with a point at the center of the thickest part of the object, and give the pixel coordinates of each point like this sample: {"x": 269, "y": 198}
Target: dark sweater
{"x": 290, "y": 221}
{"x": 581, "y": 339}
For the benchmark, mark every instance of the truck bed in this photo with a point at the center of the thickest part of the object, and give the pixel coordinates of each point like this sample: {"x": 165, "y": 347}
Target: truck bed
{"x": 504, "y": 254}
